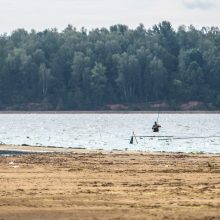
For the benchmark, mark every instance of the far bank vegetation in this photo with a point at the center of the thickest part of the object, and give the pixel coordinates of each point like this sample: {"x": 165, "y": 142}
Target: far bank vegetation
{"x": 116, "y": 68}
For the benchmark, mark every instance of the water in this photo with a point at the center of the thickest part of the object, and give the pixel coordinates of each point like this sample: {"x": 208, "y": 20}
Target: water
{"x": 112, "y": 131}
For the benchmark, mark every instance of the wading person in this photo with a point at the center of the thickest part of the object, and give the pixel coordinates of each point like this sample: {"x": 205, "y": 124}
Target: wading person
{"x": 156, "y": 127}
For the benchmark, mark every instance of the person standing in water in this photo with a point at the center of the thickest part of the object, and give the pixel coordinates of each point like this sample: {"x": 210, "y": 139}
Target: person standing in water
{"x": 156, "y": 127}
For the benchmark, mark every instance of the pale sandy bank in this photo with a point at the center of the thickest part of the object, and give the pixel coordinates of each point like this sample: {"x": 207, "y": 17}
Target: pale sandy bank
{"x": 80, "y": 184}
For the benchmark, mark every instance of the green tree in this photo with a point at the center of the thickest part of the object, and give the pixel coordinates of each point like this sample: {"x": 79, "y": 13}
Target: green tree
{"x": 45, "y": 79}
{"x": 98, "y": 83}
{"x": 128, "y": 77}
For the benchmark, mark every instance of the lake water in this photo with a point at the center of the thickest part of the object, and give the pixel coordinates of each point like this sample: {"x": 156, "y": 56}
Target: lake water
{"x": 113, "y": 131}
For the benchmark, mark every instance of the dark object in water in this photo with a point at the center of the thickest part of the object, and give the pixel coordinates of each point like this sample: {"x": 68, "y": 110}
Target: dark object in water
{"x": 132, "y": 138}
{"x": 156, "y": 127}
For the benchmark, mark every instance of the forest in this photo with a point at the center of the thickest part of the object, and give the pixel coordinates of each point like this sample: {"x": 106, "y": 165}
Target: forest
{"x": 135, "y": 69}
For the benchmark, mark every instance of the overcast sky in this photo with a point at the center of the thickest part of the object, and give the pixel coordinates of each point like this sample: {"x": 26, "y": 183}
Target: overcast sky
{"x": 42, "y": 14}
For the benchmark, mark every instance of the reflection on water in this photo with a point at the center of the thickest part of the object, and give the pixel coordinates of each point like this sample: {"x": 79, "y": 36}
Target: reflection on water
{"x": 112, "y": 131}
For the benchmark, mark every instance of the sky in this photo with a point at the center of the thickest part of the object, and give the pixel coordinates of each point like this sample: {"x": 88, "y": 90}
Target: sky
{"x": 44, "y": 14}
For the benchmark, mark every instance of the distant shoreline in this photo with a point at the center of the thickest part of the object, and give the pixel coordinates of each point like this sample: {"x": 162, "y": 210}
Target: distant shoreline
{"x": 109, "y": 112}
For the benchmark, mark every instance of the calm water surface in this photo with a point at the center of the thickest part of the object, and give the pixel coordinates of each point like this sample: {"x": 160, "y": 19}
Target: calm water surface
{"x": 112, "y": 131}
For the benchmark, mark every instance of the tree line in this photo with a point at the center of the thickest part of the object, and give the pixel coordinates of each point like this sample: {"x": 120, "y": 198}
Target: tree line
{"x": 87, "y": 70}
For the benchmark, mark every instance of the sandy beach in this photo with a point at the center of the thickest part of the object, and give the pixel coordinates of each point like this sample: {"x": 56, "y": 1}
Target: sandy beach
{"x": 81, "y": 184}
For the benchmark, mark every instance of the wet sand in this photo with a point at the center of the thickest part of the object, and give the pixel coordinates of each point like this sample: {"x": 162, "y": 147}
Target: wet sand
{"x": 81, "y": 184}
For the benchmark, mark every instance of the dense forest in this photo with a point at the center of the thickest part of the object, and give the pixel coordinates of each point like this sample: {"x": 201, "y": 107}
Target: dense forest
{"x": 93, "y": 70}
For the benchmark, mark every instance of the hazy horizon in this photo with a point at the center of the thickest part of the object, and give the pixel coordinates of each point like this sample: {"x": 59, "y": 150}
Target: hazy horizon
{"x": 41, "y": 15}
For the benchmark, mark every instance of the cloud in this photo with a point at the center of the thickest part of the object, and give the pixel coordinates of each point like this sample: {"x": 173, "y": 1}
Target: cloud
{"x": 199, "y": 4}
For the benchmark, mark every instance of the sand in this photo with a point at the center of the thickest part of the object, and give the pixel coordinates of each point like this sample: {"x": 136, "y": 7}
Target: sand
{"x": 81, "y": 184}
